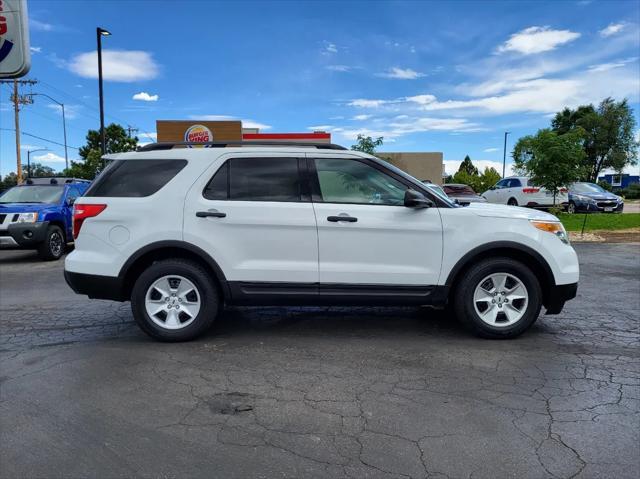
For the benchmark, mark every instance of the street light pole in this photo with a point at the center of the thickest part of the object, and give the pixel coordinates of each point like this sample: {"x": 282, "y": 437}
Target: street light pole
{"x": 64, "y": 125}
{"x": 29, "y": 159}
{"x": 504, "y": 153}
{"x": 100, "y": 32}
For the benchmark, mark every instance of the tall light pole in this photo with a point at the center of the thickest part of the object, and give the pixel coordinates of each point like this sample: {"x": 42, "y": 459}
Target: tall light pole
{"x": 64, "y": 125}
{"x": 504, "y": 153}
{"x": 29, "y": 159}
{"x": 101, "y": 32}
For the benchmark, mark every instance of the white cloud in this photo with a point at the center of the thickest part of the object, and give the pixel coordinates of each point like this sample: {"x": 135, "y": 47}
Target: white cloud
{"x": 422, "y": 99}
{"x": 117, "y": 65}
{"x": 603, "y": 67}
{"x": 49, "y": 157}
{"x": 490, "y": 150}
{"x": 35, "y": 49}
{"x": 537, "y": 40}
{"x": 70, "y": 111}
{"x": 246, "y": 123}
{"x": 329, "y": 48}
{"x": 361, "y": 117}
{"x": 144, "y": 96}
{"x": 30, "y": 147}
{"x": 320, "y": 128}
{"x": 339, "y": 68}
{"x": 366, "y": 103}
{"x": 40, "y": 26}
{"x": 612, "y": 29}
{"x": 401, "y": 74}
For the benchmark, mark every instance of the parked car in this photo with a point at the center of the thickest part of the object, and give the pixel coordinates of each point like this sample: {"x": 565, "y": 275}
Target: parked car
{"x": 589, "y": 197}
{"x": 520, "y": 191}
{"x": 463, "y": 193}
{"x": 181, "y": 232}
{"x": 37, "y": 215}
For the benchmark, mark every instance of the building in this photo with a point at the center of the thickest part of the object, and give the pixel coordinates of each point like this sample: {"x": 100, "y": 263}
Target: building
{"x": 424, "y": 166}
{"x": 619, "y": 181}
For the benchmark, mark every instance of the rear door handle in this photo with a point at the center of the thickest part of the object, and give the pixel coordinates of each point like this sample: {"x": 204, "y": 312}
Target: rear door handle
{"x": 347, "y": 218}
{"x": 211, "y": 213}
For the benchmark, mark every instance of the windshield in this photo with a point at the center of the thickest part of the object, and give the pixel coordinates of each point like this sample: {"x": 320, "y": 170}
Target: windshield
{"x": 438, "y": 191}
{"x": 458, "y": 190}
{"x": 32, "y": 194}
{"x": 587, "y": 188}
{"x": 415, "y": 181}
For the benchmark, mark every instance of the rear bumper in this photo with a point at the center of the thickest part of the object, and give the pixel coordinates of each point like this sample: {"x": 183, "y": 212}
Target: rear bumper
{"x": 558, "y": 295}
{"x": 96, "y": 286}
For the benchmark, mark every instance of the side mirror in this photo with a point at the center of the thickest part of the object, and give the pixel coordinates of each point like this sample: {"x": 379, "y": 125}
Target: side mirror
{"x": 70, "y": 201}
{"x": 415, "y": 199}
{"x": 492, "y": 188}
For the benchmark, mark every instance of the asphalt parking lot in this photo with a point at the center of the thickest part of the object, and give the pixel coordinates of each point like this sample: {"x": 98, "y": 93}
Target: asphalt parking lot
{"x": 326, "y": 392}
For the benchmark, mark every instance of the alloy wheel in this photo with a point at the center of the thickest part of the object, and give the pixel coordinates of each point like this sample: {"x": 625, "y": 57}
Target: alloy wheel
{"x": 172, "y": 302}
{"x": 500, "y": 299}
{"x": 55, "y": 244}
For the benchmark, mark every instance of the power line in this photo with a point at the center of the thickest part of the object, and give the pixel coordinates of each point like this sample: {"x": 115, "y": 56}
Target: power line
{"x": 39, "y": 138}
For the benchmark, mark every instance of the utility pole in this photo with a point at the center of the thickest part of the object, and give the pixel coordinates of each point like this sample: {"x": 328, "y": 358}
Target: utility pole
{"x": 64, "y": 124}
{"x": 131, "y": 129}
{"x": 504, "y": 153}
{"x": 18, "y": 100}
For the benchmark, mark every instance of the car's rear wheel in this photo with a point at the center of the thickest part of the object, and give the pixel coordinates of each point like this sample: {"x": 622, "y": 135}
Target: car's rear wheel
{"x": 175, "y": 300}
{"x": 54, "y": 244}
{"x": 498, "y": 298}
{"x": 571, "y": 208}
{"x": 512, "y": 202}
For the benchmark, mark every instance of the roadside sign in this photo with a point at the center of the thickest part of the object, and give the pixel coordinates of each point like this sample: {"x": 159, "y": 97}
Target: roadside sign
{"x": 15, "y": 56}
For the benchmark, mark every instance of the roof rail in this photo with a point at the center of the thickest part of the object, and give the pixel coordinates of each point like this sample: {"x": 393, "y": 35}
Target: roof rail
{"x": 229, "y": 144}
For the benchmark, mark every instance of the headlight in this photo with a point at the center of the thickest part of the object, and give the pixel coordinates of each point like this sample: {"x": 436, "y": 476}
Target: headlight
{"x": 586, "y": 199}
{"x": 554, "y": 227}
{"x": 27, "y": 217}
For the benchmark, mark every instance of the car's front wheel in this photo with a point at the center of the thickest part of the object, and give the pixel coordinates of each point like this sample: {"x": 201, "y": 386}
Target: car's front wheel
{"x": 54, "y": 244}
{"x": 498, "y": 298}
{"x": 174, "y": 300}
{"x": 571, "y": 209}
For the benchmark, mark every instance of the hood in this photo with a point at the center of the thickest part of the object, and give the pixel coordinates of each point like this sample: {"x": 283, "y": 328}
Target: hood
{"x": 598, "y": 196}
{"x": 493, "y": 210}
{"x": 6, "y": 208}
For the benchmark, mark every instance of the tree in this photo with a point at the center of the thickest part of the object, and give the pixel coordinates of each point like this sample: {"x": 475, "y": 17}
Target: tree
{"x": 38, "y": 170}
{"x": 489, "y": 178}
{"x": 8, "y": 181}
{"x": 468, "y": 167}
{"x": 116, "y": 141}
{"x": 551, "y": 160}
{"x": 367, "y": 144}
{"x": 607, "y": 135}
{"x": 479, "y": 183}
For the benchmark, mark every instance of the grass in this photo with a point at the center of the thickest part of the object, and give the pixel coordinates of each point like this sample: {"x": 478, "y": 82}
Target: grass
{"x": 600, "y": 221}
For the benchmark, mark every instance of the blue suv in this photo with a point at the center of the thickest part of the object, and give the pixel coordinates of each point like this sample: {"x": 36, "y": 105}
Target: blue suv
{"x": 38, "y": 215}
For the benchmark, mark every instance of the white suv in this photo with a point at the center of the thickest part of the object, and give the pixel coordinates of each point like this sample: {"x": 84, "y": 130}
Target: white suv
{"x": 180, "y": 232}
{"x": 520, "y": 191}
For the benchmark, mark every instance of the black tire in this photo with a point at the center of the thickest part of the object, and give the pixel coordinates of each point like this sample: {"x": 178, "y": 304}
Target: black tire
{"x": 206, "y": 288}
{"x": 53, "y": 246}
{"x": 512, "y": 202}
{"x": 571, "y": 208}
{"x": 463, "y": 298}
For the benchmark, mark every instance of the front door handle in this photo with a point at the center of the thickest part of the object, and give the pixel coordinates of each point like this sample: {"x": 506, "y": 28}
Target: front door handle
{"x": 347, "y": 218}
{"x": 212, "y": 213}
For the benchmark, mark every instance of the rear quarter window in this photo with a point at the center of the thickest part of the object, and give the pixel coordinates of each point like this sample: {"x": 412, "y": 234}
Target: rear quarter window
{"x": 134, "y": 178}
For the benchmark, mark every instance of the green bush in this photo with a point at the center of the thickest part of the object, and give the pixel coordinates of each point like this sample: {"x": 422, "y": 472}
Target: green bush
{"x": 631, "y": 192}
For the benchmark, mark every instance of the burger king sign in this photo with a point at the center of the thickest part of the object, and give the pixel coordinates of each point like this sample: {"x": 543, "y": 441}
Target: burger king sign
{"x": 15, "y": 58}
{"x": 198, "y": 134}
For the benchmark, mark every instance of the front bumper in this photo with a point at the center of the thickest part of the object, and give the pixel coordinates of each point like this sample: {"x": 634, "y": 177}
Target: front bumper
{"x": 96, "y": 286}
{"x": 583, "y": 206}
{"x": 24, "y": 235}
{"x": 558, "y": 295}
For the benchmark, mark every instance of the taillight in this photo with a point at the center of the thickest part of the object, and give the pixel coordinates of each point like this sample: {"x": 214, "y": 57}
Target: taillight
{"x": 530, "y": 190}
{"x": 82, "y": 212}
{"x": 564, "y": 191}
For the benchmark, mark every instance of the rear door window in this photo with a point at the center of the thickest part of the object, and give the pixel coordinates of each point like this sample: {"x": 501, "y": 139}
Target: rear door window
{"x": 134, "y": 178}
{"x": 256, "y": 179}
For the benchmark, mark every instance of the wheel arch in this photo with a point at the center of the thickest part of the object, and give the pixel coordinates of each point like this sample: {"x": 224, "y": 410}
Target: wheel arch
{"x": 508, "y": 249}
{"x": 170, "y": 249}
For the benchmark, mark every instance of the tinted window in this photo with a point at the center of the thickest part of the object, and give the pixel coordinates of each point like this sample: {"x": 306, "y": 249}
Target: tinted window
{"x": 350, "y": 181}
{"x": 514, "y": 183}
{"x": 73, "y": 193}
{"x": 218, "y": 187}
{"x": 264, "y": 179}
{"x": 458, "y": 190}
{"x": 135, "y": 178}
{"x": 502, "y": 184}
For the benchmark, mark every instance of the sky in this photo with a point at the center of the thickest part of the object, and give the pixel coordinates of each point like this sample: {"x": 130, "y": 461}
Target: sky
{"x": 427, "y": 76}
